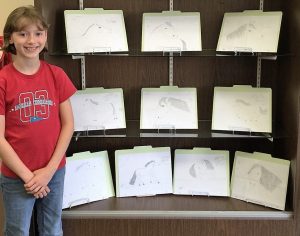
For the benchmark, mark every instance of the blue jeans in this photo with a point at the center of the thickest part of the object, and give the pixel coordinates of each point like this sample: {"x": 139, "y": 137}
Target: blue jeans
{"x": 18, "y": 206}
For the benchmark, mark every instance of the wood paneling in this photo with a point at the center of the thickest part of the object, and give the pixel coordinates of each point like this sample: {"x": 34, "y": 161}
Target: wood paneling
{"x": 168, "y": 227}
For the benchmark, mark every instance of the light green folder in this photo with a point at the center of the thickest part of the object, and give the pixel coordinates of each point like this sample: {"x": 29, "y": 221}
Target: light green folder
{"x": 98, "y": 109}
{"x": 169, "y": 107}
{"x": 143, "y": 171}
{"x": 242, "y": 108}
{"x": 169, "y": 31}
{"x": 250, "y": 31}
{"x": 260, "y": 178}
{"x": 87, "y": 179}
{"x": 201, "y": 171}
{"x": 95, "y": 30}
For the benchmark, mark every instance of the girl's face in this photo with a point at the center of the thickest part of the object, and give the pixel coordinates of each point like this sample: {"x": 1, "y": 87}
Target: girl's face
{"x": 29, "y": 41}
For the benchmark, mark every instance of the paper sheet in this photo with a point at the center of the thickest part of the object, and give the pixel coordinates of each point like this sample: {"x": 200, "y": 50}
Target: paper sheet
{"x": 98, "y": 109}
{"x": 143, "y": 171}
{"x": 201, "y": 171}
{"x": 171, "y": 31}
{"x": 169, "y": 108}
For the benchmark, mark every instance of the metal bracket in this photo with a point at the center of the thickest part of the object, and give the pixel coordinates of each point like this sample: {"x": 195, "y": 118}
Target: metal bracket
{"x": 82, "y": 58}
{"x": 258, "y": 73}
{"x": 261, "y": 5}
{"x": 171, "y": 69}
{"x": 171, "y": 5}
{"x": 82, "y": 66}
{"x": 171, "y": 58}
{"x": 80, "y": 4}
{"x": 259, "y": 58}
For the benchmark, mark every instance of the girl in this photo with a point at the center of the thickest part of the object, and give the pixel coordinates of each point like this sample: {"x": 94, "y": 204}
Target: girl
{"x": 36, "y": 125}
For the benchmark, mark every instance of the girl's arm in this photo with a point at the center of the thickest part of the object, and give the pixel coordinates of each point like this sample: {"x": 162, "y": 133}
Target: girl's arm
{"x": 10, "y": 157}
{"x": 43, "y": 176}
{"x": 13, "y": 162}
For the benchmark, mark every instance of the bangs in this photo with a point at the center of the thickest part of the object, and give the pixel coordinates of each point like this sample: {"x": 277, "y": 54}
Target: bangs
{"x": 23, "y": 22}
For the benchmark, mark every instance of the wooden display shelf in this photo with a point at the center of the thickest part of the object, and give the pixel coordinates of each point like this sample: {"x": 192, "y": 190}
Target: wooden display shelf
{"x": 175, "y": 206}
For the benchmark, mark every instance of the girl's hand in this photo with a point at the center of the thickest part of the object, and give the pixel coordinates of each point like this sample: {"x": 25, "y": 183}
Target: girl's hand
{"x": 43, "y": 192}
{"x": 38, "y": 184}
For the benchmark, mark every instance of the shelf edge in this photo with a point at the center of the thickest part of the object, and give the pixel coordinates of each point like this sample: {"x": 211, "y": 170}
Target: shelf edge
{"x": 252, "y": 215}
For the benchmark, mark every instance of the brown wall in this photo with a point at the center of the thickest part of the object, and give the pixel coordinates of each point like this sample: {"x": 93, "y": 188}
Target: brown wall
{"x": 204, "y": 72}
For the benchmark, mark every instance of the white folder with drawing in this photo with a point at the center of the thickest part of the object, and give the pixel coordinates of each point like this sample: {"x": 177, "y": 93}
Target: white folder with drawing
{"x": 98, "y": 109}
{"x": 250, "y": 31}
{"x": 169, "y": 107}
{"x": 95, "y": 30}
{"x": 260, "y": 178}
{"x": 143, "y": 171}
{"x": 171, "y": 31}
{"x": 87, "y": 179}
{"x": 201, "y": 171}
{"x": 242, "y": 108}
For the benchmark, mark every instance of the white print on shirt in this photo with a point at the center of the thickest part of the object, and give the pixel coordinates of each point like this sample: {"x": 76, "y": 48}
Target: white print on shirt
{"x": 34, "y": 106}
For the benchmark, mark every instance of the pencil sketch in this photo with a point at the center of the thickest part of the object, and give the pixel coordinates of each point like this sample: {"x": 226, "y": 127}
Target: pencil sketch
{"x": 201, "y": 174}
{"x": 197, "y": 169}
{"x": 89, "y": 31}
{"x": 98, "y": 110}
{"x": 169, "y": 109}
{"x": 81, "y": 166}
{"x": 165, "y": 102}
{"x": 140, "y": 174}
{"x": 98, "y": 29}
{"x": 241, "y": 31}
{"x": 262, "y": 110}
{"x": 251, "y": 32}
{"x": 241, "y": 101}
{"x": 145, "y": 175}
{"x": 244, "y": 33}
{"x": 87, "y": 179}
{"x": 261, "y": 175}
{"x": 248, "y": 110}
{"x": 171, "y": 32}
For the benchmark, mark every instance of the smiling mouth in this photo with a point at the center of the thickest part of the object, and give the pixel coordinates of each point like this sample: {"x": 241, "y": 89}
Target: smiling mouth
{"x": 31, "y": 48}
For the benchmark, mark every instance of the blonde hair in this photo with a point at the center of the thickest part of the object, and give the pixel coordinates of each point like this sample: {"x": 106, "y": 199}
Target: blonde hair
{"x": 17, "y": 20}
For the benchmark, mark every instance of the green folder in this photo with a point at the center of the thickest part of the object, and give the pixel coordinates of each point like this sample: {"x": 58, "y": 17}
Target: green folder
{"x": 250, "y": 31}
{"x": 260, "y": 178}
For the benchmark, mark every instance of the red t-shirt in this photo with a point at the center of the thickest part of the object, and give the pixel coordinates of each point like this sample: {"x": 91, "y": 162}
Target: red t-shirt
{"x": 30, "y": 104}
